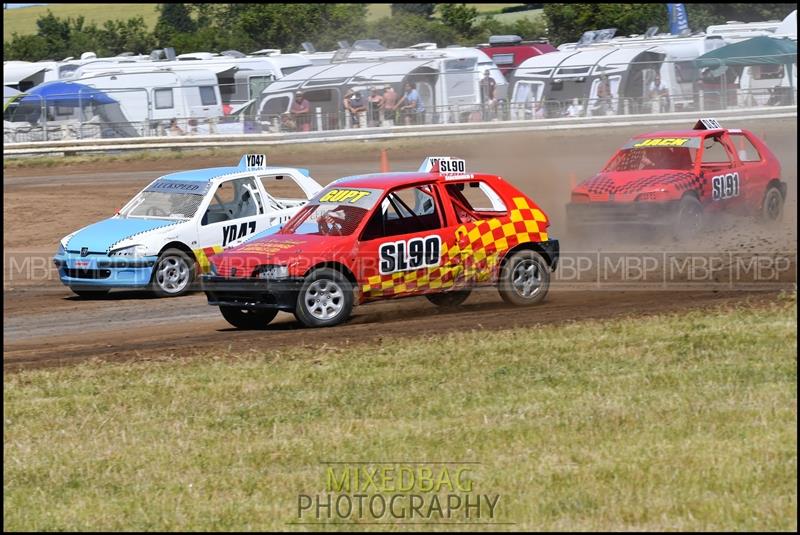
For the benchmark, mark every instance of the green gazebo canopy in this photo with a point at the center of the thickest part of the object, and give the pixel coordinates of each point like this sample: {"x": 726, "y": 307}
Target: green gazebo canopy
{"x": 756, "y": 51}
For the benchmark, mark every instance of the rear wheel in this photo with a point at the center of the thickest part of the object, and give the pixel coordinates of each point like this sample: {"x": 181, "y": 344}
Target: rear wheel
{"x": 173, "y": 274}
{"x": 89, "y": 293}
{"x": 325, "y": 299}
{"x": 524, "y": 279}
{"x": 450, "y": 299}
{"x": 248, "y": 318}
{"x": 689, "y": 219}
{"x": 772, "y": 207}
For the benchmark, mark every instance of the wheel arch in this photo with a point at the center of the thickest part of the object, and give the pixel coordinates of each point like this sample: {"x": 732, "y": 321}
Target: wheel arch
{"x": 336, "y": 266}
{"x": 778, "y": 183}
{"x": 181, "y": 247}
{"x": 527, "y": 246}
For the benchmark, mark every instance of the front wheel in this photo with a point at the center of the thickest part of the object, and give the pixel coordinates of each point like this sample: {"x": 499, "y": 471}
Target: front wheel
{"x": 524, "y": 279}
{"x": 772, "y": 207}
{"x": 325, "y": 299}
{"x": 689, "y": 219}
{"x": 89, "y": 293}
{"x": 173, "y": 274}
{"x": 449, "y": 299}
{"x": 248, "y": 318}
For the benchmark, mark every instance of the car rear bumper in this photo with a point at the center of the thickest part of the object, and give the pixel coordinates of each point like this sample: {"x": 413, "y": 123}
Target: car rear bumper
{"x": 251, "y": 293}
{"x": 655, "y": 214}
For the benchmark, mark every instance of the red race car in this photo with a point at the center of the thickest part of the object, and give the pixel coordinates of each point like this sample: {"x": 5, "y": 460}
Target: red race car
{"x": 437, "y": 232}
{"x": 673, "y": 179}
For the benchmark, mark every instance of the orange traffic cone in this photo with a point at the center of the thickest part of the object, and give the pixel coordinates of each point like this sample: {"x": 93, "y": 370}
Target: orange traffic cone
{"x": 384, "y": 161}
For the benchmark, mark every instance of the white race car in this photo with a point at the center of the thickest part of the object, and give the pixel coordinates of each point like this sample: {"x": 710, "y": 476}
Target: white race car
{"x": 163, "y": 237}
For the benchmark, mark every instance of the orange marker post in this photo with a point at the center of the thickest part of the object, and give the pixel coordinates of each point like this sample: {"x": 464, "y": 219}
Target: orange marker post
{"x": 384, "y": 161}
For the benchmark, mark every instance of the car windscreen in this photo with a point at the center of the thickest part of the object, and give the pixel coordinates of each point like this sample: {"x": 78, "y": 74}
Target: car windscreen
{"x": 164, "y": 205}
{"x": 335, "y": 211}
{"x": 640, "y": 158}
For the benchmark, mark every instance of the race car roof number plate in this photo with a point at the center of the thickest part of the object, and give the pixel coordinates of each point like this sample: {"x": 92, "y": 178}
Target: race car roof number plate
{"x": 180, "y": 186}
{"x": 707, "y": 124}
{"x": 253, "y": 161}
{"x": 444, "y": 165}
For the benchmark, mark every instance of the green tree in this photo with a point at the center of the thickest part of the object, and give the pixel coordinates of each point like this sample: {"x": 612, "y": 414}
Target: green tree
{"x": 460, "y": 18}
{"x": 567, "y": 22}
{"x": 703, "y": 15}
{"x": 403, "y": 30}
{"x": 422, "y": 10}
{"x": 173, "y": 19}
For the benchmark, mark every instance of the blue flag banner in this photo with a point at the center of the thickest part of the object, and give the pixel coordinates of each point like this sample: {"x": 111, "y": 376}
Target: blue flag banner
{"x": 678, "y": 21}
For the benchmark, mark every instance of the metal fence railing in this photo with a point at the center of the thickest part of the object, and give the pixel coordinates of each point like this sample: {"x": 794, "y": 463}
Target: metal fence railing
{"x": 56, "y": 120}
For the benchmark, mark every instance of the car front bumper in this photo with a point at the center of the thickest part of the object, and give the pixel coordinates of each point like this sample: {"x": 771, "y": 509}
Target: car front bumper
{"x": 103, "y": 271}
{"x": 252, "y": 293}
{"x": 651, "y": 214}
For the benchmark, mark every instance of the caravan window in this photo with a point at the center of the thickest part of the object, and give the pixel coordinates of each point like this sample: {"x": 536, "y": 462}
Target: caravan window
{"x": 289, "y": 70}
{"x": 503, "y": 59}
{"x": 257, "y": 84}
{"x": 767, "y": 72}
{"x": 275, "y": 106}
{"x": 686, "y": 71}
{"x": 207, "y": 95}
{"x": 163, "y": 99}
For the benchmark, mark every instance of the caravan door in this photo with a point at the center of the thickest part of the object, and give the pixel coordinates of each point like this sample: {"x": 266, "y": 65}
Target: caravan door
{"x": 525, "y": 93}
{"x": 594, "y": 105}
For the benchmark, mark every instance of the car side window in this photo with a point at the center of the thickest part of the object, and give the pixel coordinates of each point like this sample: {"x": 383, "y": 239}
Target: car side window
{"x": 715, "y": 154}
{"x": 404, "y": 211}
{"x": 234, "y": 199}
{"x": 745, "y": 148}
{"x": 473, "y": 200}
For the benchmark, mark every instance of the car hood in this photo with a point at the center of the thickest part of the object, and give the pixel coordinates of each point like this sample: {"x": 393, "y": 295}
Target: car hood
{"x": 296, "y": 251}
{"x": 632, "y": 182}
{"x": 105, "y": 235}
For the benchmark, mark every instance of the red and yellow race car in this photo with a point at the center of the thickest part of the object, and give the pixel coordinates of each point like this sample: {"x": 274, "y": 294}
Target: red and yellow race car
{"x": 437, "y": 232}
{"x": 673, "y": 179}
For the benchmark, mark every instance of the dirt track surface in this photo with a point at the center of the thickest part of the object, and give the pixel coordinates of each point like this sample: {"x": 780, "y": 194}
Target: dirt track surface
{"x": 44, "y": 324}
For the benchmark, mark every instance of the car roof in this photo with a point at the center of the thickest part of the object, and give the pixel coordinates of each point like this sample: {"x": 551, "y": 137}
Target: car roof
{"x": 403, "y": 178}
{"x": 680, "y": 133}
{"x": 210, "y": 173}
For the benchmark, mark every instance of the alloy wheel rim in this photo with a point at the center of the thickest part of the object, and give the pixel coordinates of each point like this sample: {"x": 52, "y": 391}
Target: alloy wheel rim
{"x": 527, "y": 279}
{"x": 172, "y": 274}
{"x": 324, "y": 299}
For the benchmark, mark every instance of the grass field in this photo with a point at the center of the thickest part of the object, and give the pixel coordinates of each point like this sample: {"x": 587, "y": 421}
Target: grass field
{"x": 23, "y": 20}
{"x": 675, "y": 422}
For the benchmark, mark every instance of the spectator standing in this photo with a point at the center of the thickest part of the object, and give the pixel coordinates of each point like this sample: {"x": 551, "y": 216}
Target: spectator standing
{"x": 538, "y": 110}
{"x": 575, "y": 109}
{"x": 300, "y": 112}
{"x": 375, "y": 107}
{"x": 488, "y": 100}
{"x": 389, "y": 104}
{"x": 658, "y": 94}
{"x": 603, "y": 106}
{"x": 174, "y": 129}
{"x": 411, "y": 105}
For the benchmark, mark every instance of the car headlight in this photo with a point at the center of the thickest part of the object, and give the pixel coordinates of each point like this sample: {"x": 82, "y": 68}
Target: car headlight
{"x": 134, "y": 251}
{"x": 273, "y": 272}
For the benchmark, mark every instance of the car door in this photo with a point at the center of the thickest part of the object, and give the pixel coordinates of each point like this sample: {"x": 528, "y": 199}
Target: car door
{"x": 755, "y": 169}
{"x": 723, "y": 174}
{"x": 406, "y": 247}
{"x": 234, "y": 213}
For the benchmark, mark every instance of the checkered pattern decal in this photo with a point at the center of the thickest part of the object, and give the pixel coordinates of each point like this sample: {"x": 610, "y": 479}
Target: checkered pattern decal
{"x": 603, "y": 184}
{"x": 202, "y": 256}
{"x": 470, "y": 256}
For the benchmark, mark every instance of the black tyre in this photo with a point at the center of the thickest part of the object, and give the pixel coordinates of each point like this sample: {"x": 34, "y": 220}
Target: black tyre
{"x": 449, "y": 299}
{"x": 89, "y": 293}
{"x": 524, "y": 279}
{"x": 248, "y": 318}
{"x": 772, "y": 205}
{"x": 689, "y": 219}
{"x": 325, "y": 299}
{"x": 173, "y": 274}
